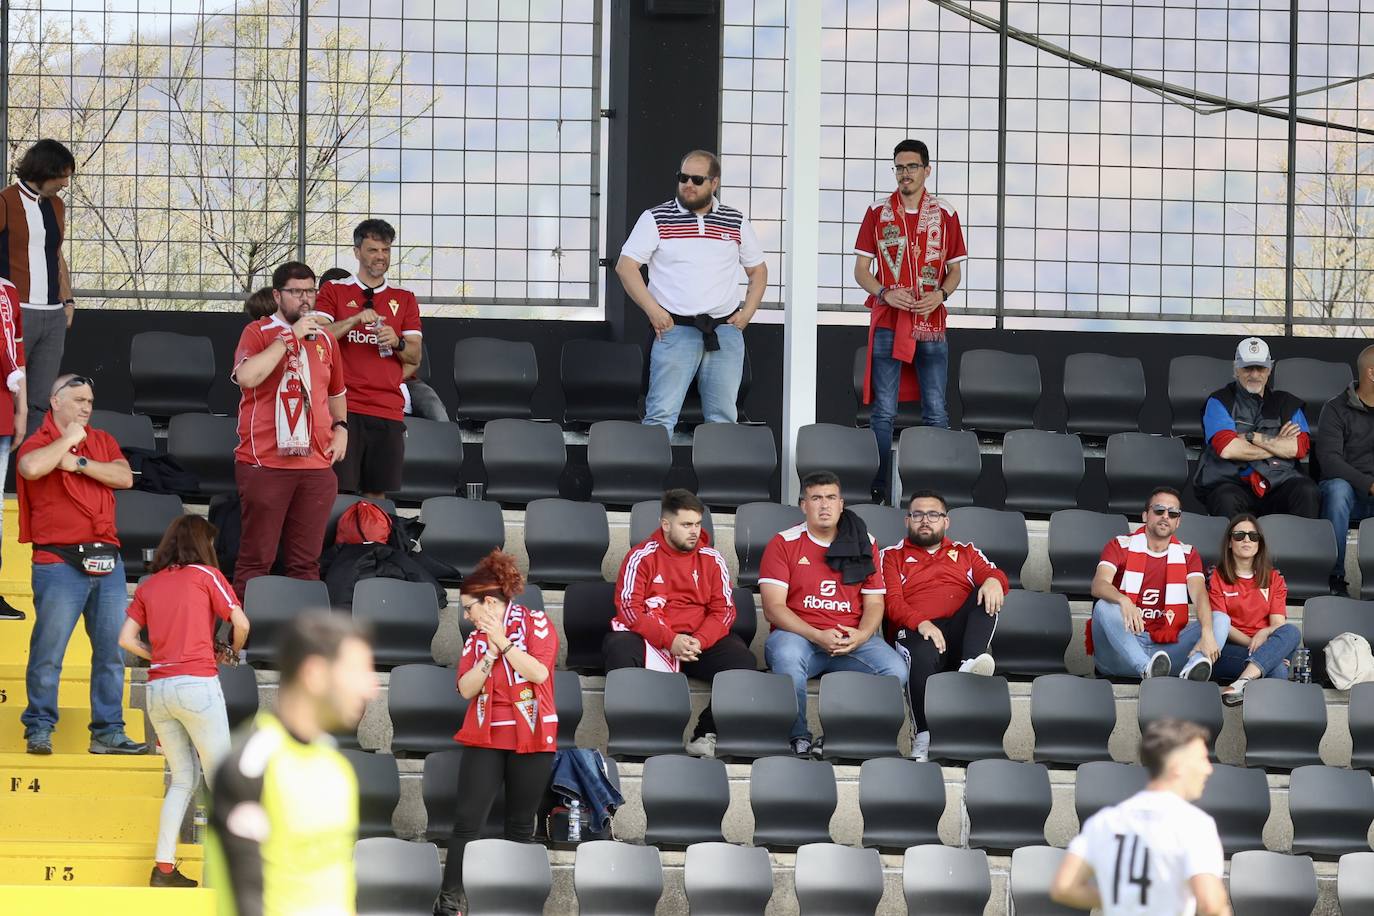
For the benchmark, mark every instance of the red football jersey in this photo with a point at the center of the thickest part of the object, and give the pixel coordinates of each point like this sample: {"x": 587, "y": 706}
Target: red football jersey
{"x": 179, "y": 606}
{"x": 1152, "y": 605}
{"x": 815, "y": 592}
{"x": 374, "y": 381}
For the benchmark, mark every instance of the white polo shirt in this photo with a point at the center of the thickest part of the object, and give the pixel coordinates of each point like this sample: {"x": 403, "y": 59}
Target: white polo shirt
{"x": 694, "y": 261}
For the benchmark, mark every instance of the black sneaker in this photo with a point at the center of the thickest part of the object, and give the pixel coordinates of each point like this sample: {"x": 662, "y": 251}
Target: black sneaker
{"x": 1338, "y": 586}
{"x": 449, "y": 904}
{"x": 801, "y": 746}
{"x": 39, "y": 743}
{"x": 173, "y": 878}
{"x": 116, "y": 743}
{"x": 10, "y": 612}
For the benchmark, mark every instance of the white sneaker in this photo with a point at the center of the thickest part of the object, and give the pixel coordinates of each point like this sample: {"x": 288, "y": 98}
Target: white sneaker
{"x": 705, "y": 746}
{"x": 1199, "y": 669}
{"x": 1159, "y": 665}
{"x": 982, "y": 665}
{"x": 920, "y": 746}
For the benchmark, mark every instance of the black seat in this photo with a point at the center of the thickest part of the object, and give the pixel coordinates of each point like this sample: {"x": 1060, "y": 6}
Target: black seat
{"x": 999, "y": 391}
{"x": 1137, "y": 463}
{"x": 833, "y": 879}
{"x": 1008, "y": 803}
{"x": 1103, "y": 394}
{"x": 999, "y": 534}
{"x": 1328, "y": 616}
{"x": 754, "y": 712}
{"x": 601, "y": 380}
{"x": 341, "y": 503}
{"x": 204, "y": 445}
{"x": 439, "y": 792}
{"x": 901, "y": 801}
{"x": 240, "y": 687}
{"x": 1033, "y": 633}
{"x": 628, "y": 461}
{"x": 171, "y": 373}
{"x": 734, "y": 464}
{"x": 433, "y": 459}
{"x": 403, "y": 616}
{"x": 968, "y": 715}
{"x": 1204, "y": 532}
{"x": 755, "y": 525}
{"x": 500, "y": 876}
{"x": 460, "y": 532}
{"x": 1365, "y": 554}
{"x": 646, "y": 514}
{"x": 566, "y": 540}
{"x": 1237, "y": 798}
{"x": 1177, "y": 698}
{"x": 1076, "y": 539}
{"x": 944, "y": 460}
{"x": 861, "y": 715}
{"x": 887, "y": 524}
{"x": 1312, "y": 381}
{"x": 722, "y": 879}
{"x": 646, "y": 712}
{"x": 494, "y": 379}
{"x": 685, "y": 799}
{"x": 746, "y": 625}
{"x": 1284, "y": 723}
{"x": 1331, "y": 810}
{"x": 1100, "y": 784}
{"x": 1305, "y": 549}
{"x": 426, "y": 709}
{"x": 1267, "y": 883}
{"x": 792, "y": 800}
{"x": 587, "y": 611}
{"x": 908, "y": 412}
{"x": 1032, "y": 871}
{"x": 379, "y": 791}
{"x": 1191, "y": 380}
{"x": 939, "y": 879}
{"x": 271, "y": 602}
{"x": 617, "y": 879}
{"x": 691, "y": 415}
{"x": 1072, "y": 718}
{"x": 1355, "y": 882}
{"x": 1362, "y": 725}
{"x": 141, "y": 519}
{"x": 523, "y": 460}
{"x": 129, "y": 430}
{"x": 1042, "y": 470}
{"x": 567, "y": 700}
{"x": 396, "y": 877}
{"x": 851, "y": 453}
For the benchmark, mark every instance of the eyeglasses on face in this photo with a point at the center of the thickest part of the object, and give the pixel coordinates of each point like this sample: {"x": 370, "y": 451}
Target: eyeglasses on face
{"x": 912, "y": 169}
{"x": 698, "y": 180}
{"x": 1239, "y": 536}
{"x": 299, "y": 293}
{"x": 933, "y": 516}
{"x": 1167, "y": 510}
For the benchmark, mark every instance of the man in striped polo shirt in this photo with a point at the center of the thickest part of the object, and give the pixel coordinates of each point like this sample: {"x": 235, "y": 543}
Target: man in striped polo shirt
{"x": 32, "y": 226}
{"x": 694, "y": 246}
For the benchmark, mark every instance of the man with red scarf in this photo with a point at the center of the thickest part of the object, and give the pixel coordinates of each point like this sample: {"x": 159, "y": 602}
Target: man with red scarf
{"x": 919, "y": 246}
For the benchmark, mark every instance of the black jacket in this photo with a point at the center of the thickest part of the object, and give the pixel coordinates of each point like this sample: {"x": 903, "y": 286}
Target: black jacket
{"x": 345, "y": 565}
{"x": 1345, "y": 441}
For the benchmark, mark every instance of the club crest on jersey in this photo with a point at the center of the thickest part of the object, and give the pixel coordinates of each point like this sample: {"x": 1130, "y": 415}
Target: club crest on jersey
{"x": 529, "y": 708}
{"x": 394, "y": 306}
{"x": 319, "y": 351}
{"x": 953, "y": 554}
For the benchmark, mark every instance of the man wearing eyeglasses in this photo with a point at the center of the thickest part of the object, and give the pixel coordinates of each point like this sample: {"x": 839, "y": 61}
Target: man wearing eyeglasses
{"x": 293, "y": 428}
{"x": 1255, "y": 437}
{"x": 1144, "y": 581}
{"x": 938, "y": 621}
{"x": 694, "y": 247}
{"x": 919, "y": 246}
{"x": 377, "y": 326}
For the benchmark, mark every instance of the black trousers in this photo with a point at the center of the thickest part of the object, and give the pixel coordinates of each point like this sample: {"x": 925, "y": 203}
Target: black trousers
{"x": 481, "y": 771}
{"x": 626, "y": 650}
{"x": 1295, "y": 496}
{"x": 968, "y": 633}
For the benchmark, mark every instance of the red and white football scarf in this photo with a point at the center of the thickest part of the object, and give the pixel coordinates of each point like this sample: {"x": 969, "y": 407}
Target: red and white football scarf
{"x": 893, "y": 239}
{"x": 655, "y": 659}
{"x": 1176, "y": 580}
{"x": 293, "y": 401}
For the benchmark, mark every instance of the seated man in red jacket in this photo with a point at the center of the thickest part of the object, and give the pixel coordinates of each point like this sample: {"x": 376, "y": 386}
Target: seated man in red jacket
{"x": 939, "y": 622}
{"x": 674, "y": 608}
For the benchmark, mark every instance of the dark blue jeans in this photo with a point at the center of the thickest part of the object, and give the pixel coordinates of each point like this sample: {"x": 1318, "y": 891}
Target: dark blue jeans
{"x": 1271, "y": 657}
{"x": 1341, "y": 505}
{"x": 932, "y": 368}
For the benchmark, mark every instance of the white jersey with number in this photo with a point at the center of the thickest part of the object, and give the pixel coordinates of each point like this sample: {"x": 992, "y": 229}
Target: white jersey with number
{"x": 1144, "y": 850}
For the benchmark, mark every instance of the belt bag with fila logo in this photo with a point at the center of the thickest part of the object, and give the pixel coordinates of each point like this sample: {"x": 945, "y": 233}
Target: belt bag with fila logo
{"x": 827, "y": 601}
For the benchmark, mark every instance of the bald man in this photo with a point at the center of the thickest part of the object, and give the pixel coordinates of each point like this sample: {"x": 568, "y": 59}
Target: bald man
{"x": 1345, "y": 457}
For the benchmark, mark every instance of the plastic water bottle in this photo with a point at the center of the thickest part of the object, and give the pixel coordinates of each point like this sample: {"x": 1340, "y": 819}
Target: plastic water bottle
{"x": 575, "y": 821}
{"x": 198, "y": 823}
{"x": 383, "y": 350}
{"x": 1302, "y": 667}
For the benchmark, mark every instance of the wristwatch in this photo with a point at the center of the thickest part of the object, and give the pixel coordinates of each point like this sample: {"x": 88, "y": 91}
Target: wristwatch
{"x": 944, "y": 295}
{"x": 81, "y": 463}
{"x": 337, "y": 424}
{"x": 1250, "y": 437}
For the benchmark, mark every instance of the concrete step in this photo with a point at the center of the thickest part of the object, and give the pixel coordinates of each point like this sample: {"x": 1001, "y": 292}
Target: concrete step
{"x": 72, "y": 899}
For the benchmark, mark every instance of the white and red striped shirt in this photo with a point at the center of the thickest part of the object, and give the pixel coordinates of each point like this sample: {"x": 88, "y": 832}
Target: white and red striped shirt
{"x": 694, "y": 259}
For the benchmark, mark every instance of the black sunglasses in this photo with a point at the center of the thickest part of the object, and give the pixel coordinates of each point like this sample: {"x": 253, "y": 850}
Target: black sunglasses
{"x": 698, "y": 180}
{"x": 1239, "y": 536}
{"x": 1166, "y": 510}
{"x": 76, "y": 381}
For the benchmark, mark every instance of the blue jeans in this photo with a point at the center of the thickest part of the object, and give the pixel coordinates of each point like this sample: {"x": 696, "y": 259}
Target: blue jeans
{"x": 192, "y": 726}
{"x": 932, "y": 368}
{"x": 800, "y": 659}
{"x": 1341, "y": 505}
{"x": 680, "y": 356}
{"x": 62, "y": 596}
{"x": 1271, "y": 657}
{"x": 1118, "y": 652}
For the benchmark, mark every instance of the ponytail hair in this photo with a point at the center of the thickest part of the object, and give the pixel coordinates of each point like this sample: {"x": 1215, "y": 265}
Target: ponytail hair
{"x": 496, "y": 574}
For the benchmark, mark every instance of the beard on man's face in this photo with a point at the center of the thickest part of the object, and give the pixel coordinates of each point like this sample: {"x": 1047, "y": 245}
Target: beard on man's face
{"x": 926, "y": 537}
